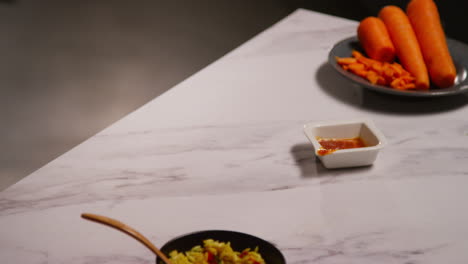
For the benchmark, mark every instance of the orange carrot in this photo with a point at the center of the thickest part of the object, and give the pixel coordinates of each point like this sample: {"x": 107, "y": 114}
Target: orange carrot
{"x": 406, "y": 44}
{"x": 374, "y": 38}
{"x": 425, "y": 20}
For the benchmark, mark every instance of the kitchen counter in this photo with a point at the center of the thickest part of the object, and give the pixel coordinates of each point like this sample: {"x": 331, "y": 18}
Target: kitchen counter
{"x": 224, "y": 149}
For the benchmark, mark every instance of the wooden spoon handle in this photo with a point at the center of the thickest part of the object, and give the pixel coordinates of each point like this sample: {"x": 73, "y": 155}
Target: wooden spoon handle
{"x": 128, "y": 230}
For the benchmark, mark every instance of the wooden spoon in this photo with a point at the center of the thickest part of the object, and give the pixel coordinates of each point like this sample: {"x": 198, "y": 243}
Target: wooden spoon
{"x": 127, "y": 230}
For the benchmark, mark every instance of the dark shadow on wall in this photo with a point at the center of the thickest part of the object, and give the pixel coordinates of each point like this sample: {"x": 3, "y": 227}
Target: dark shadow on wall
{"x": 8, "y": 2}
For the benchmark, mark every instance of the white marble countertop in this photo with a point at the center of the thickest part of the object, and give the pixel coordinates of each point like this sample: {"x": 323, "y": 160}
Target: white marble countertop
{"x": 224, "y": 149}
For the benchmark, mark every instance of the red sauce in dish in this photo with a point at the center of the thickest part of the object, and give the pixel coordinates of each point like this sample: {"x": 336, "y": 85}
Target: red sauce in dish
{"x": 330, "y": 145}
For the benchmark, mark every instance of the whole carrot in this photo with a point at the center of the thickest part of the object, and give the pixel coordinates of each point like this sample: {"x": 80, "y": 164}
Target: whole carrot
{"x": 374, "y": 38}
{"x": 406, "y": 45}
{"x": 424, "y": 18}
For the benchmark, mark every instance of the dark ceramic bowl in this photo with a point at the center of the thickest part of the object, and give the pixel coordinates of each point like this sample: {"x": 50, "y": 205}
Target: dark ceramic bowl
{"x": 239, "y": 241}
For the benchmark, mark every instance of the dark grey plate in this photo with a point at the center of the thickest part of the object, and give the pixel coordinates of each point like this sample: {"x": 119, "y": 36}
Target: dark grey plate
{"x": 458, "y": 50}
{"x": 239, "y": 241}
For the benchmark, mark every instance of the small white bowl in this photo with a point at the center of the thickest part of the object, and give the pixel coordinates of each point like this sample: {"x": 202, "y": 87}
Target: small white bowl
{"x": 363, "y": 128}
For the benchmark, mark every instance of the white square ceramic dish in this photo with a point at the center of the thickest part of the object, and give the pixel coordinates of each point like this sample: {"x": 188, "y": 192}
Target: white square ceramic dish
{"x": 353, "y": 157}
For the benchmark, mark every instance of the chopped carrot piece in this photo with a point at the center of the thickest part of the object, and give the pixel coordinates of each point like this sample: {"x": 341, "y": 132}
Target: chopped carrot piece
{"x": 361, "y": 73}
{"x": 377, "y": 67}
{"x": 381, "y": 81}
{"x": 356, "y": 67}
{"x": 345, "y": 61}
{"x": 400, "y": 84}
{"x": 408, "y": 78}
{"x": 409, "y": 86}
{"x": 366, "y": 61}
{"x": 372, "y": 77}
{"x": 376, "y": 72}
{"x": 356, "y": 54}
{"x": 388, "y": 72}
{"x": 397, "y": 68}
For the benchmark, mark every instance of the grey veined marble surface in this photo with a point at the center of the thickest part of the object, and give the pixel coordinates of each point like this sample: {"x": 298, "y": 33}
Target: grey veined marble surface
{"x": 236, "y": 158}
